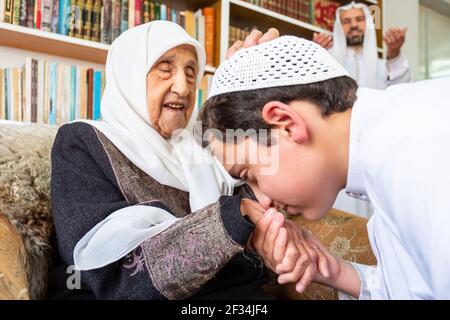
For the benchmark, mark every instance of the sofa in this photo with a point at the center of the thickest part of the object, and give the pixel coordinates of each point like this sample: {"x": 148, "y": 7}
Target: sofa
{"x": 26, "y": 227}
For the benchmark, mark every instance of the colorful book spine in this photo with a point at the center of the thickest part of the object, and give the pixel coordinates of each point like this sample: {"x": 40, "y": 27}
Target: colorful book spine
{"x": 47, "y": 11}
{"x": 131, "y": 13}
{"x": 146, "y": 9}
{"x": 30, "y": 13}
{"x": 55, "y": 16}
{"x": 23, "y": 12}
{"x": 157, "y": 11}
{"x": 90, "y": 87}
{"x": 115, "y": 19}
{"x": 40, "y": 92}
{"x": 138, "y": 14}
{"x": 34, "y": 90}
{"x": 209, "y": 34}
{"x": 73, "y": 92}
{"x": 87, "y": 19}
{"x": 124, "y": 16}
{"x": 46, "y": 91}
{"x": 163, "y": 13}
{"x": 7, "y": 95}
{"x": 97, "y": 92}
{"x": 53, "y": 92}
{"x": 77, "y": 92}
{"x": 37, "y": 14}
{"x": 8, "y": 11}
{"x": 16, "y": 12}
{"x": 2, "y": 94}
{"x": 96, "y": 21}
{"x": 64, "y": 16}
{"x": 105, "y": 36}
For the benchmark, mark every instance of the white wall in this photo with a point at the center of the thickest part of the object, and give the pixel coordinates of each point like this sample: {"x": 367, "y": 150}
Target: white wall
{"x": 405, "y": 13}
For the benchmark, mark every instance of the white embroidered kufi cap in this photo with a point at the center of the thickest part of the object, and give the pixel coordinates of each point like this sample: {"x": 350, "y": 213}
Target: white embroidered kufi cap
{"x": 285, "y": 61}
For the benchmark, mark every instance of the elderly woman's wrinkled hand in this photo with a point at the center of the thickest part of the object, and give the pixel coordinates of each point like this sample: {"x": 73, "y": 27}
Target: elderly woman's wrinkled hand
{"x": 254, "y": 38}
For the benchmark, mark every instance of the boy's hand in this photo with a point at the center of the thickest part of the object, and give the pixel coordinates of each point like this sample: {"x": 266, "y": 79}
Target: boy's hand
{"x": 318, "y": 266}
{"x": 285, "y": 250}
{"x": 254, "y": 38}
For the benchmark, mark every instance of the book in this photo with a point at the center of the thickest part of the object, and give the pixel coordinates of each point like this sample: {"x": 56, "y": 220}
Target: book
{"x": 163, "y": 12}
{"x": 90, "y": 89}
{"x": 23, "y": 12}
{"x": 87, "y": 19}
{"x": 7, "y": 95}
{"x": 157, "y": 8}
{"x": 73, "y": 92}
{"x": 28, "y": 66}
{"x": 63, "y": 16}
{"x": 124, "y": 16}
{"x": 8, "y": 11}
{"x": 83, "y": 93}
{"x": 106, "y": 25}
{"x": 47, "y": 11}
{"x": 2, "y": 94}
{"x": 138, "y": 14}
{"x": 55, "y": 16}
{"x": 40, "y": 92}
{"x": 115, "y": 19}
{"x": 16, "y": 12}
{"x": 200, "y": 30}
{"x": 37, "y": 14}
{"x": 97, "y": 94}
{"x": 190, "y": 23}
{"x": 131, "y": 13}
{"x": 34, "y": 90}
{"x": 146, "y": 9}
{"x": 323, "y": 13}
{"x": 46, "y": 92}
{"x": 16, "y": 106}
{"x": 96, "y": 20}
{"x": 209, "y": 35}
{"x": 77, "y": 92}
{"x": 53, "y": 92}
{"x": 2, "y": 12}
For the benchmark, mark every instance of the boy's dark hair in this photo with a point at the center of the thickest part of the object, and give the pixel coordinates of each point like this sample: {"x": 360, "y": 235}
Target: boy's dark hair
{"x": 243, "y": 110}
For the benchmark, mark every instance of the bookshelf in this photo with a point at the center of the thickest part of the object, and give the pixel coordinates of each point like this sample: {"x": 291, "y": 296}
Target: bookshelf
{"x": 242, "y": 13}
{"x": 227, "y": 11}
{"x": 15, "y": 40}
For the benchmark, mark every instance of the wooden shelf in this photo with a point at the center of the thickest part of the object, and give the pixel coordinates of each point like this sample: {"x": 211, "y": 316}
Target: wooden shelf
{"x": 56, "y": 44}
{"x": 52, "y": 43}
{"x": 251, "y": 14}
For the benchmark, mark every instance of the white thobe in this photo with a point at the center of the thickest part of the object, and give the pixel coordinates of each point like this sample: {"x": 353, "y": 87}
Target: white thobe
{"x": 389, "y": 72}
{"x": 400, "y": 161}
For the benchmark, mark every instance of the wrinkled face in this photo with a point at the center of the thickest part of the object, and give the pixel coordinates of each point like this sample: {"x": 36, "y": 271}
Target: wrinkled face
{"x": 171, "y": 87}
{"x": 297, "y": 178}
{"x": 354, "y": 23}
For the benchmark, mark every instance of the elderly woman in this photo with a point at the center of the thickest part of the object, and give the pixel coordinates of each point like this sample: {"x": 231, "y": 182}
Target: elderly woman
{"x": 138, "y": 221}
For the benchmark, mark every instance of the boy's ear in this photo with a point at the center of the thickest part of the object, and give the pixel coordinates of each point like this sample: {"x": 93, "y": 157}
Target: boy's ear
{"x": 285, "y": 118}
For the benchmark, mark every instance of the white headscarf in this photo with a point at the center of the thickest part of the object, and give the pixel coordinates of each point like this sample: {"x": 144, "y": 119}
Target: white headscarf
{"x": 126, "y": 123}
{"x": 370, "y": 53}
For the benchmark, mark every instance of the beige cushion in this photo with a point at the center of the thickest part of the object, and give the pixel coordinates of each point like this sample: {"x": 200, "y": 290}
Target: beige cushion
{"x": 13, "y": 276}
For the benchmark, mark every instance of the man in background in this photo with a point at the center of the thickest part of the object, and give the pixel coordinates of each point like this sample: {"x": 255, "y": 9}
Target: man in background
{"x": 354, "y": 45}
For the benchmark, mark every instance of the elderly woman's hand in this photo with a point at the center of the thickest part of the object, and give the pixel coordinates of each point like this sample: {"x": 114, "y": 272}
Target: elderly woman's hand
{"x": 254, "y": 38}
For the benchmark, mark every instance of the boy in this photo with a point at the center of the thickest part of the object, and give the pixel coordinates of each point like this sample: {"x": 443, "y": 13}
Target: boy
{"x": 326, "y": 134}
